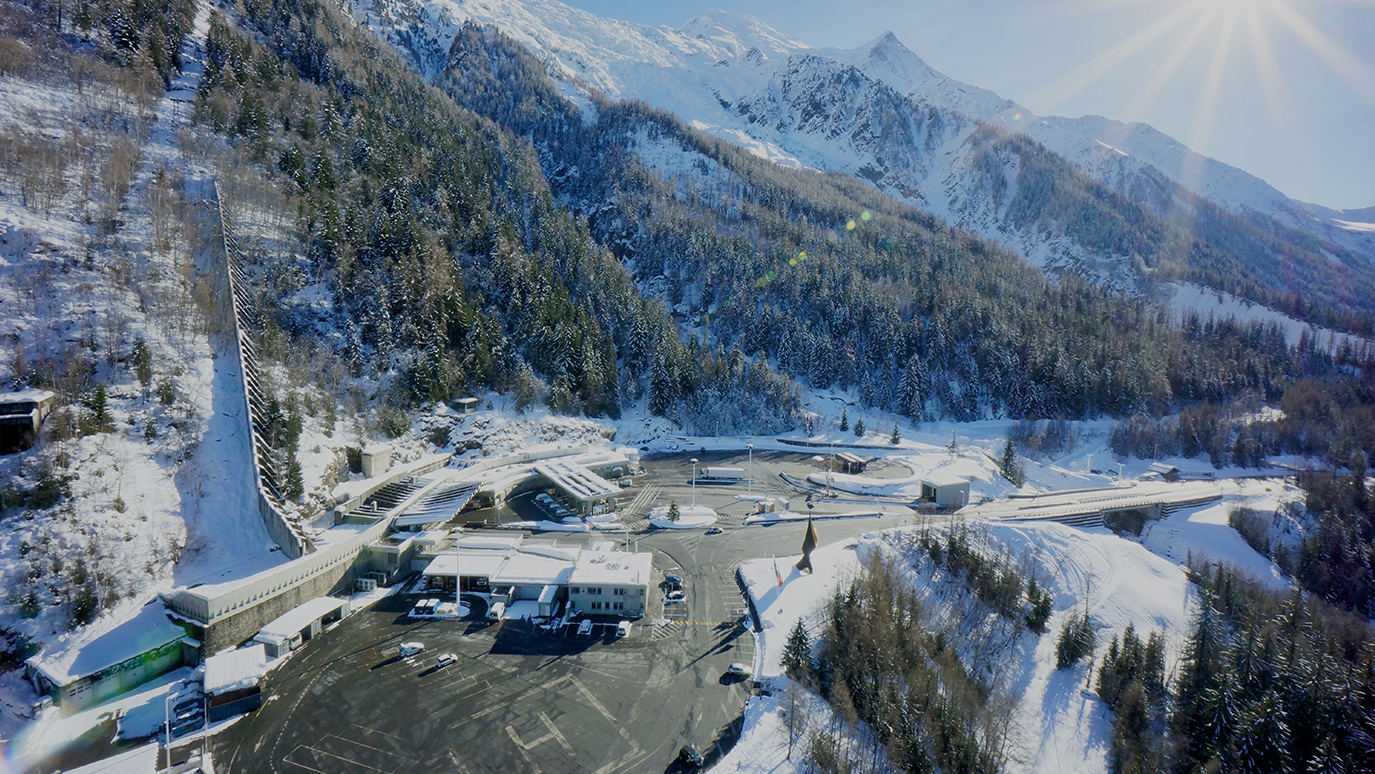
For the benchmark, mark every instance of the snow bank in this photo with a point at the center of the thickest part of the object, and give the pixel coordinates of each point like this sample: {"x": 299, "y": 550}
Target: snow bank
{"x": 689, "y": 517}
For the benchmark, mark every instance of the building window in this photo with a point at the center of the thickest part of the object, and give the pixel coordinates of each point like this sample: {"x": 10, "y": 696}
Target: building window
{"x": 596, "y": 606}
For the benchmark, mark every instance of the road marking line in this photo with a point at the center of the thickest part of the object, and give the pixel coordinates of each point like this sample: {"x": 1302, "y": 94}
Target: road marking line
{"x": 360, "y": 744}
{"x": 345, "y": 760}
{"x": 457, "y": 762}
{"x": 523, "y": 750}
{"x": 294, "y": 763}
{"x": 598, "y": 706}
{"x": 383, "y": 733}
{"x": 555, "y": 732}
{"x": 489, "y": 710}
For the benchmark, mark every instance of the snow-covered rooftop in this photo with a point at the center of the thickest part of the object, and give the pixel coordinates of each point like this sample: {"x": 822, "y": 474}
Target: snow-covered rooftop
{"x": 490, "y": 542}
{"x": 530, "y": 569}
{"x": 140, "y": 760}
{"x": 235, "y": 669}
{"x": 300, "y": 617}
{"x": 29, "y": 395}
{"x": 105, "y": 643}
{"x": 577, "y": 481}
{"x": 613, "y": 567}
{"x": 476, "y": 564}
{"x": 945, "y": 478}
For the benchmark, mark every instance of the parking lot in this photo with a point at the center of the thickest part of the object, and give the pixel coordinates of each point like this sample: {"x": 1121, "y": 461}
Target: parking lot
{"x": 518, "y": 699}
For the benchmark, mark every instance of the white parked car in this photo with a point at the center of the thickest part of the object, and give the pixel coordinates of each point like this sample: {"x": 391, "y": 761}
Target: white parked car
{"x": 585, "y": 628}
{"x": 739, "y": 670}
{"x": 411, "y": 648}
{"x": 623, "y": 629}
{"x": 444, "y": 660}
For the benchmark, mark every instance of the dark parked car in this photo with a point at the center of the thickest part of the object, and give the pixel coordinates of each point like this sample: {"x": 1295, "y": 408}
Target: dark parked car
{"x": 690, "y": 758}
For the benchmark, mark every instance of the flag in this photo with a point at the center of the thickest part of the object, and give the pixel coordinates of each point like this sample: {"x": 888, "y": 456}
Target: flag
{"x": 808, "y": 545}
{"x": 776, "y": 573}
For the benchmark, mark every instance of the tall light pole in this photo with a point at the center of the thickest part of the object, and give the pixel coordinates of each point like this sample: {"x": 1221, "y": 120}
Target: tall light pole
{"x": 694, "y": 484}
{"x": 1119, "y": 474}
{"x": 829, "y": 467}
{"x": 750, "y": 483}
{"x": 167, "y": 719}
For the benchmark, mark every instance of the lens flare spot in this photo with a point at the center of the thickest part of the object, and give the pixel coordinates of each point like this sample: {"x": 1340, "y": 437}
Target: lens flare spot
{"x": 792, "y": 261}
{"x": 1016, "y": 116}
{"x": 849, "y": 225}
{"x": 866, "y": 216}
{"x": 802, "y": 256}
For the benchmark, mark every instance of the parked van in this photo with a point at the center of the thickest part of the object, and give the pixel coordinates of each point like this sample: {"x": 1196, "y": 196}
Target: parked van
{"x": 411, "y": 648}
{"x": 496, "y": 611}
{"x": 585, "y": 628}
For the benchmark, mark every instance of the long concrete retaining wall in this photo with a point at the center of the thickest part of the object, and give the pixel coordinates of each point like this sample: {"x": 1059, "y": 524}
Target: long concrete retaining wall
{"x": 293, "y": 542}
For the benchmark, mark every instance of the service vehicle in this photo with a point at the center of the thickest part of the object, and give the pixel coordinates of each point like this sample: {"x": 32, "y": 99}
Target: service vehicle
{"x": 411, "y": 648}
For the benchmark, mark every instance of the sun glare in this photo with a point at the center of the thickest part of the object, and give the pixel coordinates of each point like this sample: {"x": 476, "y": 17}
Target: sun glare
{"x": 1233, "y": 10}
{"x": 1215, "y": 29}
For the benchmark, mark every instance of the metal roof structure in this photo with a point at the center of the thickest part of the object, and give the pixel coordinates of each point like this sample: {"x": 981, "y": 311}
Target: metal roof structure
{"x": 577, "y": 481}
{"x": 302, "y": 616}
{"x": 441, "y": 504}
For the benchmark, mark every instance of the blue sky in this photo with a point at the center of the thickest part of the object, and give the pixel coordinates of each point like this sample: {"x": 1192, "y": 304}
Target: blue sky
{"x": 1284, "y": 89}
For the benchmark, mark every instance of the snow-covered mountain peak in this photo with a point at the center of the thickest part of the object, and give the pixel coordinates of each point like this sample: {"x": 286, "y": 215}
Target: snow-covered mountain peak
{"x": 877, "y": 111}
{"x": 736, "y": 35}
{"x": 887, "y": 58}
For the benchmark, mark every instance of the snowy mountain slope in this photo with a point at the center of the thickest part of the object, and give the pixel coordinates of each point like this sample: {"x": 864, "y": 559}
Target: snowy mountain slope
{"x": 1130, "y": 158}
{"x": 879, "y": 112}
{"x": 1056, "y": 727}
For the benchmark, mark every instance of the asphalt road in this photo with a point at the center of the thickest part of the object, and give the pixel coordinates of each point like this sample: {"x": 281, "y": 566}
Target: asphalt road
{"x": 519, "y": 700}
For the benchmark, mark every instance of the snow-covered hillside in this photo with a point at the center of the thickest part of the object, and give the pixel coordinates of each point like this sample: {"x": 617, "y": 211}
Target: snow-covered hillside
{"x": 1057, "y": 726}
{"x": 877, "y": 111}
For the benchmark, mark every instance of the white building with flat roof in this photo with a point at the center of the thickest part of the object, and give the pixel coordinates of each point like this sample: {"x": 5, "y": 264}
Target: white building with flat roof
{"x": 594, "y": 580}
{"x": 945, "y": 489}
{"x": 611, "y": 582}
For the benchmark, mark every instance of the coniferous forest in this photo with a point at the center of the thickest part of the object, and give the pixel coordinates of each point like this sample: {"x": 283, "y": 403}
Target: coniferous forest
{"x": 483, "y": 232}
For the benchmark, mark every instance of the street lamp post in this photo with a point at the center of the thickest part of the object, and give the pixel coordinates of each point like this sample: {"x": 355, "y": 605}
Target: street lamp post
{"x": 694, "y": 484}
{"x": 750, "y": 483}
{"x": 167, "y": 719}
